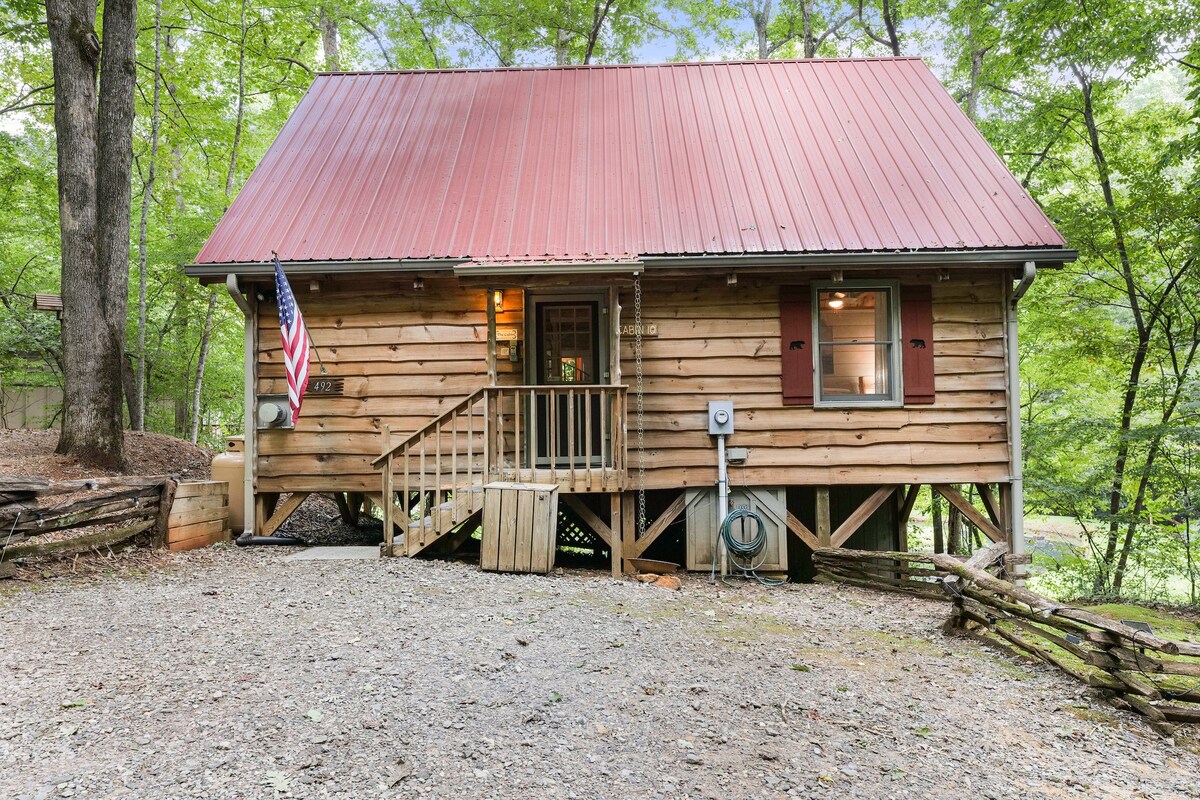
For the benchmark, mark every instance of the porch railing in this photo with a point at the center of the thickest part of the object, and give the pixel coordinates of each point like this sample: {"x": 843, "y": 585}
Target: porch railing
{"x": 572, "y": 435}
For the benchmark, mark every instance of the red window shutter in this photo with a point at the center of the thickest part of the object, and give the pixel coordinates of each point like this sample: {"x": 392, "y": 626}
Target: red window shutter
{"x": 916, "y": 342}
{"x": 796, "y": 345}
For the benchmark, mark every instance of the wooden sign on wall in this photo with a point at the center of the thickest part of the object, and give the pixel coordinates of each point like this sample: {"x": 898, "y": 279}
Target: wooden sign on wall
{"x": 327, "y": 386}
{"x": 649, "y": 330}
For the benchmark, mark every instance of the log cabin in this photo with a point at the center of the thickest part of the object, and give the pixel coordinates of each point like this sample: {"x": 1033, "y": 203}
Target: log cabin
{"x": 667, "y": 290}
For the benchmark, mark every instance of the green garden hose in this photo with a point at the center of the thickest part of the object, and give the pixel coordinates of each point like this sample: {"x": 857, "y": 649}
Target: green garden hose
{"x": 743, "y": 552}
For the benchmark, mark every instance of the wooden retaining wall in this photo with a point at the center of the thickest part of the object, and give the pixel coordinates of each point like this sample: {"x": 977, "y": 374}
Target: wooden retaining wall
{"x": 199, "y": 516}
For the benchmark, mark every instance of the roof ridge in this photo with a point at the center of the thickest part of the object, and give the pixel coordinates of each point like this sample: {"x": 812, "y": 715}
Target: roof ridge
{"x": 649, "y": 65}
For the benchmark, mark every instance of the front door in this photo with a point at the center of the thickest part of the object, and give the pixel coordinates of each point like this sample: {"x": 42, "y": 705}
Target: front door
{"x": 569, "y": 352}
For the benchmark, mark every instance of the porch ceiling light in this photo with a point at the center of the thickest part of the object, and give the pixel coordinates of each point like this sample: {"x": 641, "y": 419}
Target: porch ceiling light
{"x": 498, "y": 299}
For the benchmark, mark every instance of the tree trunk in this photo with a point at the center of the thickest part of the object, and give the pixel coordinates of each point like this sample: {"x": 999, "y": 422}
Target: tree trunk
{"x": 889, "y": 21}
{"x": 241, "y": 102}
{"x": 205, "y": 339}
{"x": 114, "y": 177}
{"x": 181, "y": 414}
{"x": 954, "y": 539}
{"x": 1117, "y": 490}
{"x": 329, "y": 37}
{"x": 95, "y": 155}
{"x": 762, "y": 18}
{"x": 935, "y": 502}
{"x": 977, "y": 53}
{"x": 806, "y": 23}
{"x": 562, "y": 51}
{"x": 599, "y": 14}
{"x": 1139, "y": 502}
{"x": 129, "y": 387}
{"x": 138, "y": 420}
{"x": 1191, "y": 564}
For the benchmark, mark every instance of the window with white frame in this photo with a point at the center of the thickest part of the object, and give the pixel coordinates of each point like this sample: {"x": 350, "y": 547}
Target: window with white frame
{"x": 857, "y": 336}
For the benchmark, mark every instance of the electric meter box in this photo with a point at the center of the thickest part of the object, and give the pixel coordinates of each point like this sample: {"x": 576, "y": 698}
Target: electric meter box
{"x": 273, "y": 411}
{"x": 701, "y": 509}
{"x": 720, "y": 417}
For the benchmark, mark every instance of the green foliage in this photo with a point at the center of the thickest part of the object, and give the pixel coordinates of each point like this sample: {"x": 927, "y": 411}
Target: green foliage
{"x": 1095, "y": 107}
{"x": 1077, "y": 99}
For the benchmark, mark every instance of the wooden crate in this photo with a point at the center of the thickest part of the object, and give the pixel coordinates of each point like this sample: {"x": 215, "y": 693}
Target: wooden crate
{"x": 199, "y": 515}
{"x": 520, "y": 521}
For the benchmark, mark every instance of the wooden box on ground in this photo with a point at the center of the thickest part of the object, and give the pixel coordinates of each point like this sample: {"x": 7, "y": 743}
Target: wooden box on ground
{"x": 770, "y": 503}
{"x": 520, "y": 521}
{"x": 199, "y": 516}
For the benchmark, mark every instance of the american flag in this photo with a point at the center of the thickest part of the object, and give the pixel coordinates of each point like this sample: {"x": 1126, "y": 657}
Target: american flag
{"x": 295, "y": 341}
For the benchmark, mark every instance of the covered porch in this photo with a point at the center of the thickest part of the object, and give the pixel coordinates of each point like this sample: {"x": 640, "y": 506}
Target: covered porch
{"x": 553, "y": 411}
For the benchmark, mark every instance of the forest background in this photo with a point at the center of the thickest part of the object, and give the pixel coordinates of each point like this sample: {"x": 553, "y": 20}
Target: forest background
{"x": 1093, "y": 104}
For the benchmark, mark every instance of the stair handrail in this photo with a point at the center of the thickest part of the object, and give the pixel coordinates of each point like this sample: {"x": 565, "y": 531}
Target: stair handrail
{"x": 463, "y": 405}
{"x": 467, "y": 401}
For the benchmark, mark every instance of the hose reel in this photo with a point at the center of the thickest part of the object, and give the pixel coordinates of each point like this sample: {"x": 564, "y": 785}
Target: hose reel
{"x": 745, "y": 554}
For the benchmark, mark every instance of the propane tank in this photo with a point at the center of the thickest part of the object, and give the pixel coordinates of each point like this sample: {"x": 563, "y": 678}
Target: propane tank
{"x": 230, "y": 467}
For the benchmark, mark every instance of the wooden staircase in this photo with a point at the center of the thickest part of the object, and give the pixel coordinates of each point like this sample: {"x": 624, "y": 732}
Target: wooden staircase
{"x": 462, "y": 509}
{"x": 432, "y": 481}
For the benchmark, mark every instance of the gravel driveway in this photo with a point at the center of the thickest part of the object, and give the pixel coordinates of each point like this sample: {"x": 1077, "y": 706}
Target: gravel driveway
{"x": 236, "y": 674}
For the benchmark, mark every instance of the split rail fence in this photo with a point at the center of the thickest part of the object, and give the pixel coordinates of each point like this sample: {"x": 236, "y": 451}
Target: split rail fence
{"x": 1132, "y": 668}
{"x": 109, "y": 512}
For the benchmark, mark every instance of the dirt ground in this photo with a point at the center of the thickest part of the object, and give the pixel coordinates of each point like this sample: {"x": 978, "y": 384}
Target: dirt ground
{"x": 30, "y": 453}
{"x": 234, "y": 673}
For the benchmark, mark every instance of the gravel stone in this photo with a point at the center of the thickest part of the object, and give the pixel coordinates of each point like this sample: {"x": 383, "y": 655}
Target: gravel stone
{"x": 232, "y": 673}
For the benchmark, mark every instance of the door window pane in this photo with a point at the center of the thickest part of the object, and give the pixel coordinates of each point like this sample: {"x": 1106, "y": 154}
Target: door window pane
{"x": 568, "y": 342}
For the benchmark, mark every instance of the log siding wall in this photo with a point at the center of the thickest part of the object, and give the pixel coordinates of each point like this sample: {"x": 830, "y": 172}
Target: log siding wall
{"x": 406, "y": 355}
{"x": 719, "y": 342}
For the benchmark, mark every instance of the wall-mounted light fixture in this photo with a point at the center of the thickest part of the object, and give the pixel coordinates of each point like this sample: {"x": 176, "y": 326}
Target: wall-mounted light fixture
{"x": 314, "y": 286}
{"x": 498, "y": 299}
{"x": 418, "y": 283}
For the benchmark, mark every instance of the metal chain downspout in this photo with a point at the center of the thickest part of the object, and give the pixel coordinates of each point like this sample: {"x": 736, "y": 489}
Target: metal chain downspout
{"x": 641, "y": 411}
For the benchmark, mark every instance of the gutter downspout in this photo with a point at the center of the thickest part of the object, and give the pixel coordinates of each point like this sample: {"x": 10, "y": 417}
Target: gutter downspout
{"x": 1016, "y": 510}
{"x": 250, "y": 430}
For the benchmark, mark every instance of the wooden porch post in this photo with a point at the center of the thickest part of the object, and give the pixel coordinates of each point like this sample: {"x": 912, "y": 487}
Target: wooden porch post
{"x": 1016, "y": 571}
{"x": 902, "y": 517}
{"x": 617, "y": 545}
{"x": 628, "y": 521}
{"x": 264, "y": 507}
{"x": 388, "y": 503}
{"x": 491, "y": 334}
{"x": 824, "y": 525}
{"x": 614, "y": 351}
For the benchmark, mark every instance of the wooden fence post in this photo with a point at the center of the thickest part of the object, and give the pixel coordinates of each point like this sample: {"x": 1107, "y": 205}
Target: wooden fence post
{"x": 165, "y": 500}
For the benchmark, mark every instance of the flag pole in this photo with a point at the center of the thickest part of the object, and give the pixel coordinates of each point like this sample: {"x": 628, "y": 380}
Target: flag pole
{"x": 308, "y": 332}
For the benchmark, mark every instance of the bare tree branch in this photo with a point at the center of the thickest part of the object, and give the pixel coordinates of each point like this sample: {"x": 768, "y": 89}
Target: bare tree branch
{"x": 20, "y": 105}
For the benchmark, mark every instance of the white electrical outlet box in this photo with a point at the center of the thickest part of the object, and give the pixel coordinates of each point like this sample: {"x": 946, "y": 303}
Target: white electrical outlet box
{"x": 737, "y": 455}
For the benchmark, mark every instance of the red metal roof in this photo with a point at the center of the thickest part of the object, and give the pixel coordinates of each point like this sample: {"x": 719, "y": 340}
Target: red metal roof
{"x": 609, "y": 161}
